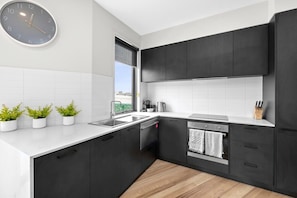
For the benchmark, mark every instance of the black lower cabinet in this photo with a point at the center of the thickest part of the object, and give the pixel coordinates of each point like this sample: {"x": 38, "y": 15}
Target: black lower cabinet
{"x": 252, "y": 154}
{"x": 106, "y": 169}
{"x": 286, "y": 161}
{"x": 173, "y": 140}
{"x": 115, "y": 162}
{"x": 132, "y": 157}
{"x": 63, "y": 174}
{"x": 103, "y": 167}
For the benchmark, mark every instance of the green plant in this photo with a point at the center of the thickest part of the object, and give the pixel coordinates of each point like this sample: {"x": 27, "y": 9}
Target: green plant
{"x": 69, "y": 110}
{"x": 40, "y": 112}
{"x": 7, "y": 114}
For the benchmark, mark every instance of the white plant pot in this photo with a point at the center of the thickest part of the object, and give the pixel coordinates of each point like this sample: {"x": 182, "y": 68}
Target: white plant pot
{"x": 68, "y": 120}
{"x": 39, "y": 123}
{"x": 8, "y": 125}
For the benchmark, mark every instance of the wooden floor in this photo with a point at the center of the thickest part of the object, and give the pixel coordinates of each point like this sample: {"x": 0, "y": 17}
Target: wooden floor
{"x": 165, "y": 179}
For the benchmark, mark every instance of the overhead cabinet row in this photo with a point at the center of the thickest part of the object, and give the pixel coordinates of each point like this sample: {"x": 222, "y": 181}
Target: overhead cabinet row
{"x": 238, "y": 53}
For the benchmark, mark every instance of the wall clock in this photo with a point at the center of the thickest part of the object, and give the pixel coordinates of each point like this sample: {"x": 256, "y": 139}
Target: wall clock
{"x": 28, "y": 23}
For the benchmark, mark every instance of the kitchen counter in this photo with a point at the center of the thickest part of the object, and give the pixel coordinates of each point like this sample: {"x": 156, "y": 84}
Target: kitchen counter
{"x": 231, "y": 119}
{"x": 38, "y": 142}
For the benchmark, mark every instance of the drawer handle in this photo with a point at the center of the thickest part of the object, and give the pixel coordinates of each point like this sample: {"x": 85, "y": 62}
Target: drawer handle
{"x": 106, "y": 138}
{"x": 67, "y": 153}
{"x": 250, "y": 165}
{"x": 250, "y": 146}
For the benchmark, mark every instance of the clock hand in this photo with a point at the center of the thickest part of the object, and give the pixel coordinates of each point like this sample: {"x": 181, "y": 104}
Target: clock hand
{"x": 36, "y": 27}
{"x": 31, "y": 20}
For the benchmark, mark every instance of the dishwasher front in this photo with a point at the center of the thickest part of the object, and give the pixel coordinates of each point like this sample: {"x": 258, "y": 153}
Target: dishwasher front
{"x": 149, "y": 133}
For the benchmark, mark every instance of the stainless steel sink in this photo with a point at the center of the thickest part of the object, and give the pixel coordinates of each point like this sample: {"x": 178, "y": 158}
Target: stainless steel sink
{"x": 131, "y": 118}
{"x": 109, "y": 123}
{"x": 118, "y": 121}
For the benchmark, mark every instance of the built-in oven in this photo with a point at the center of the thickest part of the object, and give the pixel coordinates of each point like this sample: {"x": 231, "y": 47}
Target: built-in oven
{"x": 208, "y": 141}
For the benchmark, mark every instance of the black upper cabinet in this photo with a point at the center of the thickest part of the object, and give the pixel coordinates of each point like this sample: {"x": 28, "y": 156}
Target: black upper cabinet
{"x": 64, "y": 173}
{"x": 153, "y": 64}
{"x": 286, "y": 69}
{"x": 251, "y": 51}
{"x": 173, "y": 140}
{"x": 176, "y": 61}
{"x": 238, "y": 53}
{"x": 211, "y": 56}
{"x": 286, "y": 171}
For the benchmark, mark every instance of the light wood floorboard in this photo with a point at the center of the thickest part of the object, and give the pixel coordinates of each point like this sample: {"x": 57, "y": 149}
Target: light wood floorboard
{"x": 164, "y": 179}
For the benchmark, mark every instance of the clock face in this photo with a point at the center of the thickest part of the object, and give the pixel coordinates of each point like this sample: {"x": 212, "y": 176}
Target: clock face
{"x": 28, "y": 23}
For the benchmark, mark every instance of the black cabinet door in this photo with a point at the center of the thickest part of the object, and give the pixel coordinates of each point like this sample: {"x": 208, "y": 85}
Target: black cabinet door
{"x": 286, "y": 68}
{"x": 286, "y": 155}
{"x": 173, "y": 140}
{"x": 106, "y": 166}
{"x": 153, "y": 64}
{"x": 63, "y": 174}
{"x": 210, "y": 56}
{"x": 132, "y": 156}
{"x": 251, "y": 51}
{"x": 176, "y": 61}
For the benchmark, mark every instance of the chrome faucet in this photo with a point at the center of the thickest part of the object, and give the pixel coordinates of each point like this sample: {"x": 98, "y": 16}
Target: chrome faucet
{"x": 112, "y": 110}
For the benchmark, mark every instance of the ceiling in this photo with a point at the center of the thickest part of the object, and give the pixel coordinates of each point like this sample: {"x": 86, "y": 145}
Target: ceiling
{"x": 147, "y": 16}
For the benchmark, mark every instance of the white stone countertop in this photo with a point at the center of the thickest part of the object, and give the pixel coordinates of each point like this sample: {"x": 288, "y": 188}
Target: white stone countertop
{"x": 38, "y": 142}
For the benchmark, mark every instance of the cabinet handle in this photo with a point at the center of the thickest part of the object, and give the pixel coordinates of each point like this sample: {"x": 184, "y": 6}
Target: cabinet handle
{"x": 130, "y": 129}
{"x": 250, "y": 146}
{"x": 250, "y": 165}
{"x": 67, "y": 153}
{"x": 251, "y": 128}
{"x": 106, "y": 138}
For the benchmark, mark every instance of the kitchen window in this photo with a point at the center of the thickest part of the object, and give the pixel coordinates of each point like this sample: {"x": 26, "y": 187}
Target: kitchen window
{"x": 124, "y": 77}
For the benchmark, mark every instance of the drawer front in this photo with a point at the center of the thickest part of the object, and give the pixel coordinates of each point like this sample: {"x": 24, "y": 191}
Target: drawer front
{"x": 252, "y": 170}
{"x": 254, "y": 134}
{"x": 262, "y": 153}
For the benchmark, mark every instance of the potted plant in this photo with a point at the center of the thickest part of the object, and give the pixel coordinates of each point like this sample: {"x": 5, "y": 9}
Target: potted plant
{"x": 8, "y": 117}
{"x": 39, "y": 115}
{"x": 68, "y": 113}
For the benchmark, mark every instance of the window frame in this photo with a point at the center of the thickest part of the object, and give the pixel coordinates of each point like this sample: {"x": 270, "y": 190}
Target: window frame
{"x": 134, "y": 73}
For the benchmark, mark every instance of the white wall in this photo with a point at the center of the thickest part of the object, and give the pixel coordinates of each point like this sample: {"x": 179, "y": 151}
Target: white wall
{"x": 105, "y": 28}
{"x": 283, "y": 5}
{"x": 244, "y": 17}
{"x": 70, "y": 51}
{"x": 237, "y": 19}
{"x": 222, "y": 96}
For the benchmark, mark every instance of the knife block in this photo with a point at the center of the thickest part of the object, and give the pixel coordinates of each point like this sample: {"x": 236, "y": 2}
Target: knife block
{"x": 258, "y": 113}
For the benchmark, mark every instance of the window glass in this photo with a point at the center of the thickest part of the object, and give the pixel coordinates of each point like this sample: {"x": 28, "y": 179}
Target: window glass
{"x": 124, "y": 87}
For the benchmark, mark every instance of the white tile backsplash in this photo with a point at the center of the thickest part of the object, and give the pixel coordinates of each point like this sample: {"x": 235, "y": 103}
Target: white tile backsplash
{"x": 91, "y": 93}
{"x": 102, "y": 95}
{"x": 11, "y": 81}
{"x": 224, "y": 96}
